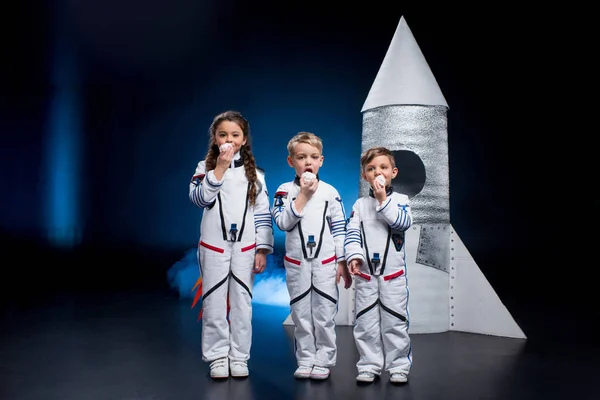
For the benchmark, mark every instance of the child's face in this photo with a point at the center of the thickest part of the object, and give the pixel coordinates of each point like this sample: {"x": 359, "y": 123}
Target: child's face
{"x": 305, "y": 158}
{"x": 379, "y": 165}
{"x": 230, "y": 132}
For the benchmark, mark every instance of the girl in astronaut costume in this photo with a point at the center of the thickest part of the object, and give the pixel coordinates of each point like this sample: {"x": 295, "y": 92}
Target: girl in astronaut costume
{"x": 311, "y": 213}
{"x": 236, "y": 234}
{"x": 376, "y": 257}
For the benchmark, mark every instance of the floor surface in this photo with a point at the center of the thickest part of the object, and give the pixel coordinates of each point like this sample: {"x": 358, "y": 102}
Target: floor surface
{"x": 145, "y": 344}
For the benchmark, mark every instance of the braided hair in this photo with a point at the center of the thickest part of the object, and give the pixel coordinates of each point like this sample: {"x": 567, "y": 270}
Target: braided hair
{"x": 245, "y": 150}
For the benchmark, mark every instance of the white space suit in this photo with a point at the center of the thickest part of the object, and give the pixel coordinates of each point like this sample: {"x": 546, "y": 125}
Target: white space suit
{"x": 230, "y": 233}
{"x": 314, "y": 244}
{"x": 376, "y": 237}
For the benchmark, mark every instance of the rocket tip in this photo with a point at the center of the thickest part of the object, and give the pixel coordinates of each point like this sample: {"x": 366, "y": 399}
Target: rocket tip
{"x": 404, "y": 76}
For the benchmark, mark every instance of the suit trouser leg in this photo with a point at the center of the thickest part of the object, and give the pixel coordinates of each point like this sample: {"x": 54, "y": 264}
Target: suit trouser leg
{"x": 367, "y": 332}
{"x": 240, "y": 301}
{"x": 324, "y": 308}
{"x": 394, "y": 325}
{"x": 215, "y": 328}
{"x": 298, "y": 281}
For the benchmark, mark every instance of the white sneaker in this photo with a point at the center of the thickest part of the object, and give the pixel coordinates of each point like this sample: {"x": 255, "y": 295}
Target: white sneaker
{"x": 239, "y": 369}
{"x": 219, "y": 368}
{"x": 398, "y": 377}
{"x": 319, "y": 372}
{"x": 365, "y": 376}
{"x": 302, "y": 372}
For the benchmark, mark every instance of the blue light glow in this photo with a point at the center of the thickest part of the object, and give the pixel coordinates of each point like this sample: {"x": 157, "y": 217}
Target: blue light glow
{"x": 63, "y": 152}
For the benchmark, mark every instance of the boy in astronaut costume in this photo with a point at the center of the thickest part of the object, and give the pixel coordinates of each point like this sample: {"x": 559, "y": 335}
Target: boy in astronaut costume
{"x": 376, "y": 257}
{"x": 311, "y": 213}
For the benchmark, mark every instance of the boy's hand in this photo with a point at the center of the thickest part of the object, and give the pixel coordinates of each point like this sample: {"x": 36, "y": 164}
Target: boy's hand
{"x": 343, "y": 272}
{"x": 379, "y": 191}
{"x": 354, "y": 266}
{"x": 260, "y": 261}
{"x": 308, "y": 188}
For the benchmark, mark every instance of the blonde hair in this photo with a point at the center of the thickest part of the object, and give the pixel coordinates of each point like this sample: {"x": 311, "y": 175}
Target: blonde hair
{"x": 373, "y": 152}
{"x": 305, "y": 137}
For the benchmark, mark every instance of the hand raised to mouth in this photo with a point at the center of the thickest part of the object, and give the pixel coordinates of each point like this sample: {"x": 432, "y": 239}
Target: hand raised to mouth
{"x": 308, "y": 176}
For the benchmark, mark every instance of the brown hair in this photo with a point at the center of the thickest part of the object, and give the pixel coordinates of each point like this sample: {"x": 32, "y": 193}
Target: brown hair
{"x": 373, "y": 152}
{"x": 245, "y": 150}
{"x": 305, "y": 137}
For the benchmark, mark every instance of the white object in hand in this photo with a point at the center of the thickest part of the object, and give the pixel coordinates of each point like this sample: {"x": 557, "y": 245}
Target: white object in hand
{"x": 380, "y": 179}
{"x": 308, "y": 176}
{"x": 225, "y": 146}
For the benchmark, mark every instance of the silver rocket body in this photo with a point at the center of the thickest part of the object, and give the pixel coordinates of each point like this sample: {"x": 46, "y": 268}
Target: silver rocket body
{"x": 418, "y": 137}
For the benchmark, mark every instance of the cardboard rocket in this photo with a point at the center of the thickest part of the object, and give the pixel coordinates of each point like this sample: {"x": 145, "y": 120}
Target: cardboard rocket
{"x": 406, "y": 112}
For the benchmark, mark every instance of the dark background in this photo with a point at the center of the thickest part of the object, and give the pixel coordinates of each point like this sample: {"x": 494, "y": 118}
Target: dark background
{"x": 133, "y": 85}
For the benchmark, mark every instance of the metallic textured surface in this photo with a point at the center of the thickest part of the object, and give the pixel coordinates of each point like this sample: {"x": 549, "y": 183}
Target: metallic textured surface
{"x": 423, "y": 130}
{"x": 434, "y": 246}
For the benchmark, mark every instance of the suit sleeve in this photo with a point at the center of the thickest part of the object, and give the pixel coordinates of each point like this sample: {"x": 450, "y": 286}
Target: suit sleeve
{"x": 396, "y": 212}
{"x": 263, "y": 223}
{"x": 204, "y": 187}
{"x": 338, "y": 224}
{"x": 284, "y": 214}
{"x": 353, "y": 243}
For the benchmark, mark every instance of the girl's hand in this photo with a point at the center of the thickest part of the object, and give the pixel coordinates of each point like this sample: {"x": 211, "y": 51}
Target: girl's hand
{"x": 260, "y": 261}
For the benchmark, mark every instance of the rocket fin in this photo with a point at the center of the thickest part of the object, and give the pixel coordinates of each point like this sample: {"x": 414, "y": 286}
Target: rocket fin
{"x": 477, "y": 307}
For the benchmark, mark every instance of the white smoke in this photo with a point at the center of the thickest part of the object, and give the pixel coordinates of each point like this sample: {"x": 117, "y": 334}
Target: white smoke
{"x": 269, "y": 287}
{"x": 184, "y": 273}
{"x": 271, "y": 290}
